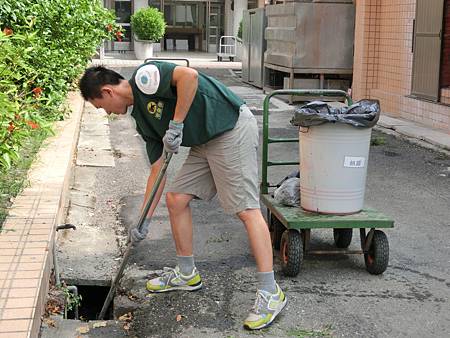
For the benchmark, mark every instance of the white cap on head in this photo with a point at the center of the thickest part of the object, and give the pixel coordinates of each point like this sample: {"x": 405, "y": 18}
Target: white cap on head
{"x": 147, "y": 79}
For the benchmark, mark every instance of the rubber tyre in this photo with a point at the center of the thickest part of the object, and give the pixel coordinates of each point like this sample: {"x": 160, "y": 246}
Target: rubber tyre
{"x": 276, "y": 229}
{"x": 377, "y": 258}
{"x": 231, "y": 59}
{"x": 291, "y": 252}
{"x": 342, "y": 237}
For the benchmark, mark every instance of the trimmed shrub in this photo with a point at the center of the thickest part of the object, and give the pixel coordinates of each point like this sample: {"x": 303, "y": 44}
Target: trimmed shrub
{"x": 148, "y": 24}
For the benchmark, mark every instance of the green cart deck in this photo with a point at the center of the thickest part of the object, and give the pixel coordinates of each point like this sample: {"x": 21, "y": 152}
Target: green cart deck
{"x": 297, "y": 218}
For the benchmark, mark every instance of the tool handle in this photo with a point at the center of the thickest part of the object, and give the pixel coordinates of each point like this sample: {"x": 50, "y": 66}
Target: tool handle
{"x": 115, "y": 282}
{"x": 123, "y": 264}
{"x": 161, "y": 173}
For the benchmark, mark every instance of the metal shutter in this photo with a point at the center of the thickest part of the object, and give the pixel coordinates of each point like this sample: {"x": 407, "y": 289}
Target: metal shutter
{"x": 427, "y": 49}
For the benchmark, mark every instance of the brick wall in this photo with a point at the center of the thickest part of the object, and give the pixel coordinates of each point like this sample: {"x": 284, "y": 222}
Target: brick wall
{"x": 445, "y": 66}
{"x": 383, "y": 61}
{"x": 365, "y": 66}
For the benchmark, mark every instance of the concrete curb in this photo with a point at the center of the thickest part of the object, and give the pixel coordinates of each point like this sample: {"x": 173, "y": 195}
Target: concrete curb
{"x": 27, "y": 236}
{"x": 421, "y": 135}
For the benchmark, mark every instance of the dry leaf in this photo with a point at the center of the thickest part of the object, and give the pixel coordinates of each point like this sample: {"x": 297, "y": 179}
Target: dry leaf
{"x": 50, "y": 322}
{"x": 179, "y": 318}
{"x": 53, "y": 308}
{"x": 126, "y": 317}
{"x": 99, "y": 324}
{"x": 83, "y": 329}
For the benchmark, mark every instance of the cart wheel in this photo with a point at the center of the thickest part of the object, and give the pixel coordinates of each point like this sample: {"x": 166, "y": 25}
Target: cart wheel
{"x": 291, "y": 252}
{"x": 378, "y": 256}
{"x": 231, "y": 58}
{"x": 342, "y": 237}
{"x": 276, "y": 229}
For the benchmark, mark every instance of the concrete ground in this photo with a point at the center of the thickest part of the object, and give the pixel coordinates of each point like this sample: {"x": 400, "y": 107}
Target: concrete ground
{"x": 332, "y": 296}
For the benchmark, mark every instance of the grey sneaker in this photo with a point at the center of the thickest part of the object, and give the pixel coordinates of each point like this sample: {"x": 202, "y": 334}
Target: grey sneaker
{"x": 267, "y": 307}
{"x": 172, "y": 279}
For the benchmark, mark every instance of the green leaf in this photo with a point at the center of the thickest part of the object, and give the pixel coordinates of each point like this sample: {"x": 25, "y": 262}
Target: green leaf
{"x": 6, "y": 159}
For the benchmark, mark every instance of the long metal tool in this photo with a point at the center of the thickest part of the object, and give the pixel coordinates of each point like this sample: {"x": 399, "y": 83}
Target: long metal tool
{"x": 131, "y": 245}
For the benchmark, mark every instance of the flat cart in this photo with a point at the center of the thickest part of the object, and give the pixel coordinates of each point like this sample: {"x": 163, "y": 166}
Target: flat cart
{"x": 227, "y": 47}
{"x": 290, "y": 227}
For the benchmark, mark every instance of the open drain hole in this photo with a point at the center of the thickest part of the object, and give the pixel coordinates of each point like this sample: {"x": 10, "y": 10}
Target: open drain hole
{"x": 91, "y": 303}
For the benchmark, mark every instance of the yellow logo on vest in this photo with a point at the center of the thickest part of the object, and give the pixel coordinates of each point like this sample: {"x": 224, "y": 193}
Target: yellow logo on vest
{"x": 155, "y": 108}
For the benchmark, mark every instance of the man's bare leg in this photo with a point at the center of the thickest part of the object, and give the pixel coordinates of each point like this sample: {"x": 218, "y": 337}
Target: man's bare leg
{"x": 181, "y": 222}
{"x": 259, "y": 237}
{"x": 184, "y": 276}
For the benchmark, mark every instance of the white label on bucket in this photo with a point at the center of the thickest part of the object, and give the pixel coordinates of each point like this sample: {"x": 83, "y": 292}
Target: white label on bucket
{"x": 354, "y": 162}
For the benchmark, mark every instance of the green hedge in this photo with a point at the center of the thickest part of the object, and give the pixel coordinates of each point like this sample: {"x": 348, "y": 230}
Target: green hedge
{"x": 44, "y": 46}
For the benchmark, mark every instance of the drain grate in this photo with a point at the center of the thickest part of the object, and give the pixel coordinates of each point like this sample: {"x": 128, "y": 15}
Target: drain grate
{"x": 92, "y": 299}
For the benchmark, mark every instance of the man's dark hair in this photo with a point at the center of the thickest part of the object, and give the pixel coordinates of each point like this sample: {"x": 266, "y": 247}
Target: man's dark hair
{"x": 95, "y": 78}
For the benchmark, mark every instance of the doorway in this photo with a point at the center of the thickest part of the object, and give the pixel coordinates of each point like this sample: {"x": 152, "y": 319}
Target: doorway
{"x": 215, "y": 27}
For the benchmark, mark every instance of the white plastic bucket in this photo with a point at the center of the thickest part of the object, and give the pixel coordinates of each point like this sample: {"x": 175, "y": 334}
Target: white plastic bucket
{"x": 333, "y": 167}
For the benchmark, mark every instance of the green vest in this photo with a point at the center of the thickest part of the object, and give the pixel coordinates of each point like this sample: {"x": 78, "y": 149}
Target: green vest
{"x": 214, "y": 110}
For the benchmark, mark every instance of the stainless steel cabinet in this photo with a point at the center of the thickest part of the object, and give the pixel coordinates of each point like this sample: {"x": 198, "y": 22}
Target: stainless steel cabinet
{"x": 254, "y": 23}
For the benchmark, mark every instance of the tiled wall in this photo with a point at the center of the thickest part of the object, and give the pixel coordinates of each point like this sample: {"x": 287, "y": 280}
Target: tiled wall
{"x": 383, "y": 61}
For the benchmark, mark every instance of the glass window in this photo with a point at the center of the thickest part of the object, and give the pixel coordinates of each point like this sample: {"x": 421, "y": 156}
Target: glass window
{"x": 155, "y": 3}
{"x": 168, "y": 15}
{"x": 181, "y": 14}
{"x": 123, "y": 11}
{"x": 191, "y": 15}
{"x": 213, "y": 20}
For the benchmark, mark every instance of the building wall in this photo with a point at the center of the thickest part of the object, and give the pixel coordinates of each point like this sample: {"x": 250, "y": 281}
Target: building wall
{"x": 228, "y": 18}
{"x": 445, "y": 74}
{"x": 138, "y": 4}
{"x": 383, "y": 61}
{"x": 239, "y": 7}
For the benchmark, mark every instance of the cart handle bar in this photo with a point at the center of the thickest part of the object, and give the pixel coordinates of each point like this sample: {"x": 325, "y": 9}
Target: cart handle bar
{"x": 167, "y": 59}
{"x": 297, "y": 92}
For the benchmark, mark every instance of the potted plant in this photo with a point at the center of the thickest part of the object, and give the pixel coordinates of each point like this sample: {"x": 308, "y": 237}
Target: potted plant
{"x": 148, "y": 26}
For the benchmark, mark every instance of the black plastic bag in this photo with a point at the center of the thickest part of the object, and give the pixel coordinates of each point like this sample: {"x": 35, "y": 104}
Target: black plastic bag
{"x": 362, "y": 114}
{"x": 289, "y": 192}
{"x": 295, "y": 173}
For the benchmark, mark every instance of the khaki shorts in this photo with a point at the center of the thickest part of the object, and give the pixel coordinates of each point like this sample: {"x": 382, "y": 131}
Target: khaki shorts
{"x": 226, "y": 165}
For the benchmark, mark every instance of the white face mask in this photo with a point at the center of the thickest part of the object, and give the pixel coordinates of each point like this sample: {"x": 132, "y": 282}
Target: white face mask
{"x": 147, "y": 79}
